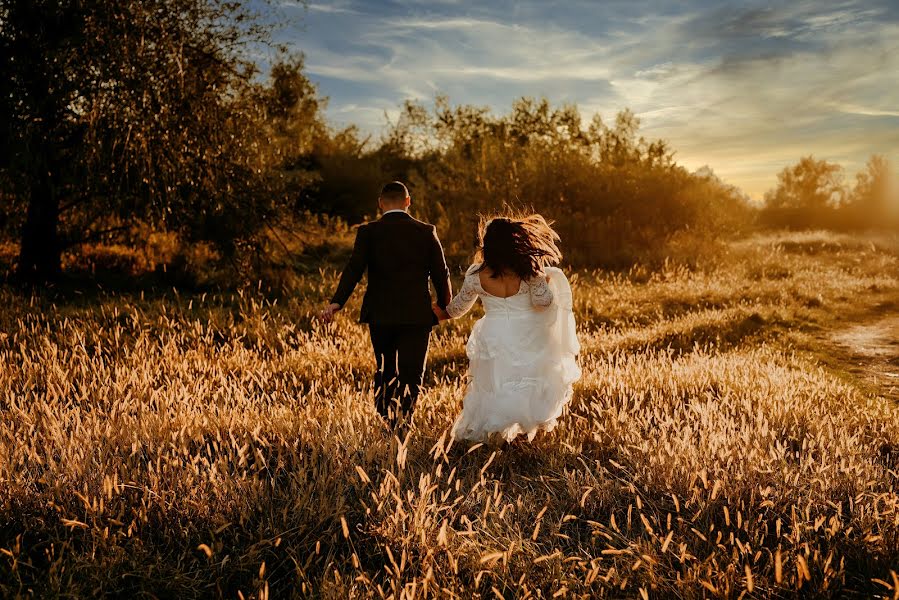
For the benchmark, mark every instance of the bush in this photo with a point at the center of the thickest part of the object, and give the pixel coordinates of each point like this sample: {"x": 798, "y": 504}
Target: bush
{"x": 615, "y": 197}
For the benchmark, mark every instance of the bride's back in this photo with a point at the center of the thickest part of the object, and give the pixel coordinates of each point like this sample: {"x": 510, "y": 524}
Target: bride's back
{"x": 508, "y": 295}
{"x": 502, "y": 286}
{"x": 508, "y": 273}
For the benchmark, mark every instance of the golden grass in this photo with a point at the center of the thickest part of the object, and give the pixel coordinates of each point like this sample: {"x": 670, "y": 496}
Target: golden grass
{"x": 227, "y": 446}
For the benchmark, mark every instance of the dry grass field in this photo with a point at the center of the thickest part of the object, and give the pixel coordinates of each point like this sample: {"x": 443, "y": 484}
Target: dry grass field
{"x": 733, "y": 436}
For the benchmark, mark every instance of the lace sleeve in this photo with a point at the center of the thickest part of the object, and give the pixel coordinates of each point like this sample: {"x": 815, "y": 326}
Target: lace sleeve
{"x": 465, "y": 299}
{"x": 541, "y": 293}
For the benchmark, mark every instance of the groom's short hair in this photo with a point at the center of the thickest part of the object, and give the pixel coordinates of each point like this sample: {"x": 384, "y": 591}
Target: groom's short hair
{"x": 395, "y": 191}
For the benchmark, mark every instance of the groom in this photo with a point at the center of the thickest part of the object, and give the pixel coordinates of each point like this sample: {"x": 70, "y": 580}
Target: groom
{"x": 400, "y": 254}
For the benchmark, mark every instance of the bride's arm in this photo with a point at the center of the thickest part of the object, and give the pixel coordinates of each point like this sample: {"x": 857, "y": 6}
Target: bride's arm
{"x": 541, "y": 293}
{"x": 465, "y": 299}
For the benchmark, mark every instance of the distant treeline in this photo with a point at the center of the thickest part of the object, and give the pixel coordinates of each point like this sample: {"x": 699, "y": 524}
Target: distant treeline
{"x": 813, "y": 194}
{"x": 127, "y": 122}
{"x": 616, "y": 197}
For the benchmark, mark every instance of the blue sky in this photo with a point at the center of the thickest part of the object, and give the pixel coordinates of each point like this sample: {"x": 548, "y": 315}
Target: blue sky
{"x": 743, "y": 87}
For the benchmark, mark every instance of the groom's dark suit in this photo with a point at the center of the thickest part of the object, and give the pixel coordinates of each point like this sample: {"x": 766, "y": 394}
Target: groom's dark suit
{"x": 401, "y": 254}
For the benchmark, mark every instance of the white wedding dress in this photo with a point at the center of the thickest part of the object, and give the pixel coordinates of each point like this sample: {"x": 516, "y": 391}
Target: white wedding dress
{"x": 522, "y": 357}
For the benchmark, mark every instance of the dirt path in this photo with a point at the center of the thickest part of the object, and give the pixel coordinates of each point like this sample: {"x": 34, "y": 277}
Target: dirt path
{"x": 873, "y": 352}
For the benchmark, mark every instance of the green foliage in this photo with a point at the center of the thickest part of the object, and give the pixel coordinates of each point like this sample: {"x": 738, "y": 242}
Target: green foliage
{"x": 115, "y": 111}
{"x": 288, "y": 128}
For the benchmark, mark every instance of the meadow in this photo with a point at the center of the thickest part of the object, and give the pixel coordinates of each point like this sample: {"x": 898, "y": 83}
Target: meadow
{"x": 722, "y": 442}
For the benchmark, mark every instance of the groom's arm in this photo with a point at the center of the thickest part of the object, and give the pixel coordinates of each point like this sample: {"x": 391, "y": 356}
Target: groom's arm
{"x": 440, "y": 272}
{"x": 354, "y": 269}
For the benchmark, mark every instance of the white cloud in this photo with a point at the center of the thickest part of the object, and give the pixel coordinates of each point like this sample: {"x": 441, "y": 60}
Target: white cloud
{"x": 325, "y": 8}
{"x": 450, "y": 24}
{"x": 862, "y": 110}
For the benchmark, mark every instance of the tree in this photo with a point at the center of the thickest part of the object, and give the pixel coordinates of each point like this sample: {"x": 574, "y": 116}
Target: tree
{"x": 615, "y": 196}
{"x": 292, "y": 128}
{"x": 810, "y": 184}
{"x": 870, "y": 198}
{"x": 113, "y": 110}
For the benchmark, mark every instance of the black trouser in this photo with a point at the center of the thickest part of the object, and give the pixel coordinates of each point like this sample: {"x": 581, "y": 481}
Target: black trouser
{"x": 401, "y": 352}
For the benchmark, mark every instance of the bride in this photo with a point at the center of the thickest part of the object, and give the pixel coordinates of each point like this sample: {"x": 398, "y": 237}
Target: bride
{"x": 522, "y": 353}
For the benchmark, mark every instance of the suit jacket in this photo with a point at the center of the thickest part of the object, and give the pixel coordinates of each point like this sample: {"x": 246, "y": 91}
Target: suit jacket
{"x": 401, "y": 254}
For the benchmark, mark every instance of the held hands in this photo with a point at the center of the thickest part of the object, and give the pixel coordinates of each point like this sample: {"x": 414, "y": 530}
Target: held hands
{"x": 441, "y": 314}
{"x": 327, "y": 315}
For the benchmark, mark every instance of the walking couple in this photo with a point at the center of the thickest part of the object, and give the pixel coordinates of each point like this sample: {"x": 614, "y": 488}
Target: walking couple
{"x": 522, "y": 353}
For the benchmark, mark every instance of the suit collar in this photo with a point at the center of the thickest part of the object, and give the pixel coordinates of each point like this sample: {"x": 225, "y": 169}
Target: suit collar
{"x": 398, "y": 214}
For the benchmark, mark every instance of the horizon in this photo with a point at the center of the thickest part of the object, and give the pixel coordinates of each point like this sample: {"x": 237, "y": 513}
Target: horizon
{"x": 744, "y": 90}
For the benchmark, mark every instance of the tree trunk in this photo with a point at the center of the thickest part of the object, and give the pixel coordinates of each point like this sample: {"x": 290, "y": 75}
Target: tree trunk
{"x": 40, "y": 253}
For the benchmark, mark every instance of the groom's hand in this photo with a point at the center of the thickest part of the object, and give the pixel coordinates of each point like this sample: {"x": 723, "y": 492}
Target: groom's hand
{"x": 441, "y": 314}
{"x": 327, "y": 315}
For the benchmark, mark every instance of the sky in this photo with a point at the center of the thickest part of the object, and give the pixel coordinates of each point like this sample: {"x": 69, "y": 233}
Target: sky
{"x": 745, "y": 88}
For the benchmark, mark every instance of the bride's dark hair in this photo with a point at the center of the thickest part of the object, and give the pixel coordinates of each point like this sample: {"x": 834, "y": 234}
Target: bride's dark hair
{"x": 523, "y": 246}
